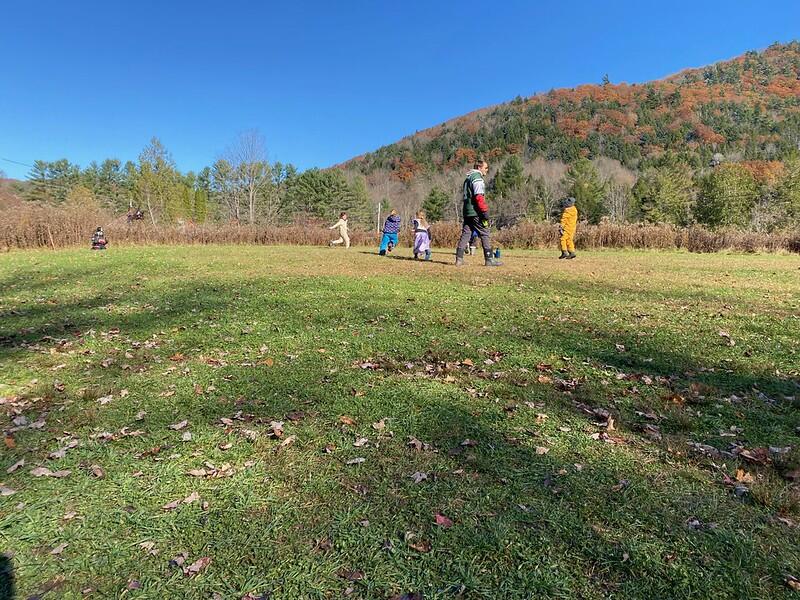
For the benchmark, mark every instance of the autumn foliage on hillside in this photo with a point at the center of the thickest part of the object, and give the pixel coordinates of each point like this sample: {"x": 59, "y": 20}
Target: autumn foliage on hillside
{"x": 747, "y": 108}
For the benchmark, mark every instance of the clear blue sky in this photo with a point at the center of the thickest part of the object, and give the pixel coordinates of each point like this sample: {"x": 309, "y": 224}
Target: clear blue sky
{"x": 325, "y": 81}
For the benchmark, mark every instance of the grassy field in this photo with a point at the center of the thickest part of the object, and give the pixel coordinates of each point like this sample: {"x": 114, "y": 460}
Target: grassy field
{"x": 273, "y": 422}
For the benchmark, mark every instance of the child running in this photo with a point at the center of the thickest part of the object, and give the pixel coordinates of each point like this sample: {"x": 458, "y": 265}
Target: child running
{"x": 390, "y": 229}
{"x": 341, "y": 225}
{"x": 569, "y": 222}
{"x": 422, "y": 236}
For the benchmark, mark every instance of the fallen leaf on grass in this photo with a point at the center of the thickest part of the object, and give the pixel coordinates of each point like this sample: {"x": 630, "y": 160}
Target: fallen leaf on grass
{"x": 45, "y": 472}
{"x": 344, "y": 419}
{"x": 360, "y": 442}
{"x": 743, "y": 476}
{"x": 442, "y": 521}
{"x": 194, "y": 496}
{"x": 149, "y": 547}
{"x": 356, "y": 461}
{"x": 540, "y": 450}
{"x": 422, "y": 546}
{"x": 171, "y": 505}
{"x": 756, "y": 455}
{"x": 103, "y": 400}
{"x": 187, "y": 436}
{"x": 727, "y": 337}
{"x": 140, "y": 415}
{"x": 351, "y": 575}
{"x": 793, "y": 583}
{"x": 61, "y": 452}
{"x": 197, "y": 566}
{"x": 623, "y": 483}
{"x": 468, "y": 362}
{"x": 227, "y": 446}
{"x": 97, "y": 471}
{"x": 15, "y": 466}
{"x": 380, "y": 425}
{"x": 418, "y": 445}
{"x": 275, "y": 429}
{"x": 10, "y": 442}
{"x": 179, "y": 426}
{"x": 288, "y": 441}
{"x": 793, "y": 475}
{"x": 178, "y": 560}
{"x": 59, "y": 549}
{"x": 419, "y": 477}
{"x": 469, "y": 443}
{"x": 134, "y": 584}
{"x": 6, "y": 491}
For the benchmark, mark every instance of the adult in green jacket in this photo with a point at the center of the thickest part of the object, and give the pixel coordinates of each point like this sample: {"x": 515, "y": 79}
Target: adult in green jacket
{"x": 476, "y": 214}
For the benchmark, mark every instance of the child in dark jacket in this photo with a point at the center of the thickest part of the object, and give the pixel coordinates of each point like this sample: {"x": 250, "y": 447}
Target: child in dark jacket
{"x": 99, "y": 240}
{"x": 390, "y": 229}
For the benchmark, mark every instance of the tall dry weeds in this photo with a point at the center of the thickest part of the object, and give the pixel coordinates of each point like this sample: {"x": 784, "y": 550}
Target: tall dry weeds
{"x": 32, "y": 226}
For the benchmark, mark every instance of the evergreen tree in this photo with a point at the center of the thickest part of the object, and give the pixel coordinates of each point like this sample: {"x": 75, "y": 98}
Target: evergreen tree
{"x": 583, "y": 183}
{"x": 664, "y": 194}
{"x": 38, "y": 191}
{"x": 187, "y": 199}
{"x": 200, "y": 206}
{"x": 435, "y": 203}
{"x": 510, "y": 177}
{"x": 726, "y": 196}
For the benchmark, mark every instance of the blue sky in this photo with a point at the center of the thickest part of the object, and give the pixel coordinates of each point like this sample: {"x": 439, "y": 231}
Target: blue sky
{"x": 325, "y": 81}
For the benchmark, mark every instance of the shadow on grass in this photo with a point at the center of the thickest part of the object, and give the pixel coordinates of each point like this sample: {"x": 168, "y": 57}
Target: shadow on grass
{"x": 6, "y": 578}
{"x": 520, "y": 512}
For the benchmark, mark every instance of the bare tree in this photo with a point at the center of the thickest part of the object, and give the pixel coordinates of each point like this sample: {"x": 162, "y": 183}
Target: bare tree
{"x": 618, "y": 201}
{"x": 251, "y": 173}
{"x": 549, "y": 189}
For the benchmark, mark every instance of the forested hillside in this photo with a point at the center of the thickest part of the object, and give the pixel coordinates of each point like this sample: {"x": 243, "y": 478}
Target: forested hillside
{"x": 719, "y": 146}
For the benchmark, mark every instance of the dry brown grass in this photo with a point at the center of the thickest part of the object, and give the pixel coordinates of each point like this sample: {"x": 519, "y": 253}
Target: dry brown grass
{"x": 31, "y": 226}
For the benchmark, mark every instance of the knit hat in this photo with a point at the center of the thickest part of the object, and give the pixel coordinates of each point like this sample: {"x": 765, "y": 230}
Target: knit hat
{"x": 567, "y": 202}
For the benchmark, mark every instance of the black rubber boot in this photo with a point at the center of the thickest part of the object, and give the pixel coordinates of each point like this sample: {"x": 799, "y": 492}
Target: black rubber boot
{"x": 564, "y": 254}
{"x": 459, "y": 257}
{"x": 382, "y": 252}
{"x": 489, "y": 260}
{"x": 572, "y": 255}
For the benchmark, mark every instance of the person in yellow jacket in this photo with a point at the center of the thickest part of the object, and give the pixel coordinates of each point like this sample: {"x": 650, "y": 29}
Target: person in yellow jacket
{"x": 569, "y": 221}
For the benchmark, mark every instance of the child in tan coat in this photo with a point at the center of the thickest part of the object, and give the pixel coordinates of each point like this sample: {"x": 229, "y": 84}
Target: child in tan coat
{"x": 341, "y": 225}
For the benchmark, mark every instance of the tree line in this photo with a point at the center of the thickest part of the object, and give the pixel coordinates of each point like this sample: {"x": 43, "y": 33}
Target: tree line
{"x": 241, "y": 186}
{"x": 758, "y": 195}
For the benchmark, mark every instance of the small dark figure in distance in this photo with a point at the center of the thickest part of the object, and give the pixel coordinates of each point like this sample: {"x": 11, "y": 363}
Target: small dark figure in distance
{"x": 99, "y": 241}
{"x": 136, "y": 215}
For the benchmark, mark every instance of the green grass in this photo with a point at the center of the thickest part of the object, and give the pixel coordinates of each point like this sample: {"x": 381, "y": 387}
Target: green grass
{"x": 273, "y": 333}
